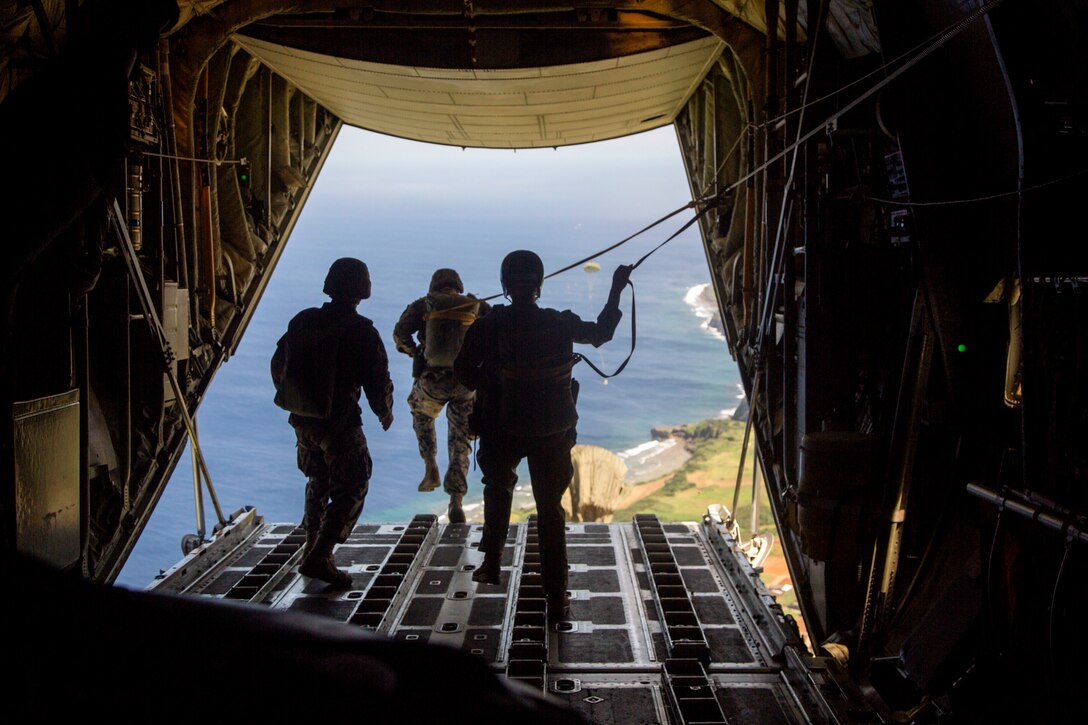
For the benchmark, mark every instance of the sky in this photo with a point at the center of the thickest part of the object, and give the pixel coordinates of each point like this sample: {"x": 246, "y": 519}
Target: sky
{"x": 407, "y": 208}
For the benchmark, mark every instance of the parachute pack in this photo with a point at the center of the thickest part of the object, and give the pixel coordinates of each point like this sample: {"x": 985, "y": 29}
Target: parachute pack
{"x": 308, "y": 356}
{"x": 448, "y": 316}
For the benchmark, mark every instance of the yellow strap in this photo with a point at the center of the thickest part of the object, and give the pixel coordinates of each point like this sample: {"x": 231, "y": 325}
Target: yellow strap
{"x": 465, "y": 318}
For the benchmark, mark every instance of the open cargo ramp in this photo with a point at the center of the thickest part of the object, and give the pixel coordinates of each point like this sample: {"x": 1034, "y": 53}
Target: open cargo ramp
{"x": 669, "y": 622}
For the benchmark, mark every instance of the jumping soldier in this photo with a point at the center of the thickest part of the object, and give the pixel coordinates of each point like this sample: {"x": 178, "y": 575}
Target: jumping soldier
{"x": 327, "y": 354}
{"x": 518, "y": 359}
{"x": 438, "y": 321}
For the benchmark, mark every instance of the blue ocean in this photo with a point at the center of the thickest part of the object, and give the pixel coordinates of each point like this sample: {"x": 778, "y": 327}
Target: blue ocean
{"x": 406, "y": 209}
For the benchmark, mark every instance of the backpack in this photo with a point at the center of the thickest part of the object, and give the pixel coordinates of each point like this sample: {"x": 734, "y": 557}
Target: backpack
{"x": 448, "y": 316}
{"x": 307, "y": 357}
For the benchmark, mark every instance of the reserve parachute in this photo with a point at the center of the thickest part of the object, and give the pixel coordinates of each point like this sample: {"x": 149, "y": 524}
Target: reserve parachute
{"x": 448, "y": 316}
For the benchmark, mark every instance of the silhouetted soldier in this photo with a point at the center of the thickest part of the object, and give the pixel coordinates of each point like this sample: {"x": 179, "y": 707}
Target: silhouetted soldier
{"x": 320, "y": 364}
{"x": 439, "y": 321}
{"x": 518, "y": 359}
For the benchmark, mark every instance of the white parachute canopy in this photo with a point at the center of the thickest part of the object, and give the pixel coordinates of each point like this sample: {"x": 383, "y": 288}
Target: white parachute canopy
{"x": 599, "y": 483}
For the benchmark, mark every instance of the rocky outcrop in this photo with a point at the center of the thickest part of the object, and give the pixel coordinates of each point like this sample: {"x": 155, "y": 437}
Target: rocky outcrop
{"x": 598, "y": 484}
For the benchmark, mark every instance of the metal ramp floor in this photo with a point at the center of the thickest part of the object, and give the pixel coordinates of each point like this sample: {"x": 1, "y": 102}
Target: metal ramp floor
{"x": 670, "y": 624}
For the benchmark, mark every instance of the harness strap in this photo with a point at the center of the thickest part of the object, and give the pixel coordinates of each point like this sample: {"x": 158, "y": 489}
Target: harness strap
{"x": 539, "y": 374}
{"x": 452, "y": 313}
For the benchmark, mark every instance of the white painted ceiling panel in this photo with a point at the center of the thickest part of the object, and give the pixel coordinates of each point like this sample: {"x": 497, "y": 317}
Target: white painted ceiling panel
{"x": 519, "y": 108}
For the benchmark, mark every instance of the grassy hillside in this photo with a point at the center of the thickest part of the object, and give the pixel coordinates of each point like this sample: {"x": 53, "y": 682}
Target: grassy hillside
{"x": 707, "y": 478}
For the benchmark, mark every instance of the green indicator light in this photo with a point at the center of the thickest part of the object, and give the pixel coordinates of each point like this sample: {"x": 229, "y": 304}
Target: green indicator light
{"x": 245, "y": 177}
{"x": 961, "y": 347}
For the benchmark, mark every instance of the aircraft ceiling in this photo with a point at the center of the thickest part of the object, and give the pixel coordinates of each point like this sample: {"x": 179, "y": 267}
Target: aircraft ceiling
{"x": 514, "y": 74}
{"x": 500, "y": 108}
{"x": 481, "y": 73}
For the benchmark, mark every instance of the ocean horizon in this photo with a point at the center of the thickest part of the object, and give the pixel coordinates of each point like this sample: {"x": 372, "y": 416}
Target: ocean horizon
{"x": 406, "y": 211}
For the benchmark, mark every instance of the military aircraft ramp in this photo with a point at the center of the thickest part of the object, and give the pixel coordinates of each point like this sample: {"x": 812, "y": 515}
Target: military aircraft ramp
{"x": 670, "y": 623}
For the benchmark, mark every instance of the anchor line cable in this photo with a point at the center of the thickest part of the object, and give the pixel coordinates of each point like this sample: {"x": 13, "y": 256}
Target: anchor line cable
{"x": 709, "y": 202}
{"x": 970, "y": 17}
{"x": 690, "y": 205}
{"x": 643, "y": 258}
{"x": 218, "y": 162}
{"x": 940, "y": 40}
{"x": 670, "y": 215}
{"x": 943, "y": 39}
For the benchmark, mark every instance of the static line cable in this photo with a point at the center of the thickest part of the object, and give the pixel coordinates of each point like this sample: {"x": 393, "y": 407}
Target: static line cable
{"x": 690, "y": 205}
{"x": 1001, "y": 195}
{"x": 708, "y": 204}
{"x": 944, "y": 39}
{"x": 643, "y": 258}
{"x": 157, "y": 331}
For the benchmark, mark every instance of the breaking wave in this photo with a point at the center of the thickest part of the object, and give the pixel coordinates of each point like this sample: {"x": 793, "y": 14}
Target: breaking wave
{"x": 703, "y": 303}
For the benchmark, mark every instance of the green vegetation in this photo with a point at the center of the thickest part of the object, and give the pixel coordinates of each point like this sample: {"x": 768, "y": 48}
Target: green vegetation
{"x": 707, "y": 478}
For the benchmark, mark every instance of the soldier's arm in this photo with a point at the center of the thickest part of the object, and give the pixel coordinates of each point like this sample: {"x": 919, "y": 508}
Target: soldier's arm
{"x": 374, "y": 375}
{"x": 593, "y": 333}
{"x": 408, "y": 326}
{"x": 599, "y": 332}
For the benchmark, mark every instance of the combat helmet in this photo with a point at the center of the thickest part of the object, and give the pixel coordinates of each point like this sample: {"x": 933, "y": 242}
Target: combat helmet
{"x": 521, "y": 268}
{"x": 348, "y": 278}
{"x": 445, "y": 277}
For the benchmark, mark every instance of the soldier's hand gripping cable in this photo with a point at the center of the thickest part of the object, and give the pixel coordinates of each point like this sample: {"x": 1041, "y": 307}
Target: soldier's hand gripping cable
{"x": 518, "y": 359}
{"x": 430, "y": 331}
{"x": 328, "y": 356}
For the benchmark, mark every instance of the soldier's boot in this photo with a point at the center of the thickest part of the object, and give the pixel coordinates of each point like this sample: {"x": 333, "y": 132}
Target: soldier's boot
{"x": 558, "y": 608}
{"x": 311, "y": 541}
{"x": 318, "y": 564}
{"x": 488, "y": 572}
{"x": 454, "y": 512}
{"x": 431, "y": 476}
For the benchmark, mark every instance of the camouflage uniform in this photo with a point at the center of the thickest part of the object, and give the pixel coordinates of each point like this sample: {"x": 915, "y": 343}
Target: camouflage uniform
{"x": 518, "y": 360}
{"x": 436, "y": 388}
{"x": 332, "y": 451}
{"x": 335, "y": 462}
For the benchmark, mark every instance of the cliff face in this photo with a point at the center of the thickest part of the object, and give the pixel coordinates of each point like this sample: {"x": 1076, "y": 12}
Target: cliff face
{"x": 598, "y": 484}
{"x": 707, "y": 300}
{"x": 692, "y": 433}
